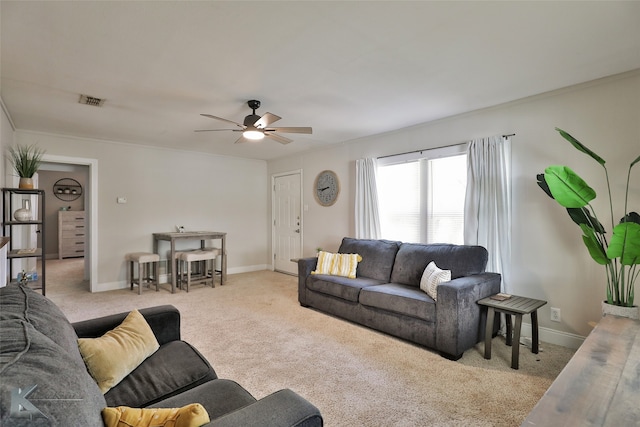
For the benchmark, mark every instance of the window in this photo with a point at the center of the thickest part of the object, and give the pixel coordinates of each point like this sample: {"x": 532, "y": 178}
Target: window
{"x": 421, "y": 195}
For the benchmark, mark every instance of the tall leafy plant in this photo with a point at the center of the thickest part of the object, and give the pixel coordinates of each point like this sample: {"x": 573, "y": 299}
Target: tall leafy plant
{"x": 26, "y": 159}
{"x": 620, "y": 254}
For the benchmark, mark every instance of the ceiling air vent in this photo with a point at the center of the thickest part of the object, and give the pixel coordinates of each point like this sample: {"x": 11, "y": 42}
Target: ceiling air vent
{"x": 91, "y": 100}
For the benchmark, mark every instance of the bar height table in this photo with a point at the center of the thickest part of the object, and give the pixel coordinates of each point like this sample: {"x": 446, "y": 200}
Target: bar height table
{"x": 203, "y": 236}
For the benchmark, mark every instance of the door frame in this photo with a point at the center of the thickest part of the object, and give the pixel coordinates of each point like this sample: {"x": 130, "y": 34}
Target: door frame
{"x": 92, "y": 217}
{"x": 273, "y": 208}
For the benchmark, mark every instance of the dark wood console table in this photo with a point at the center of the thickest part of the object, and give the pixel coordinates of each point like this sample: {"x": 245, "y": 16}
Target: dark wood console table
{"x": 601, "y": 383}
{"x": 203, "y": 236}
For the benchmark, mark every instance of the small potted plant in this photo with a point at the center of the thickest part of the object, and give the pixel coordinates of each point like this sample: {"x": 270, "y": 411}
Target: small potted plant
{"x": 619, "y": 252}
{"x": 26, "y": 160}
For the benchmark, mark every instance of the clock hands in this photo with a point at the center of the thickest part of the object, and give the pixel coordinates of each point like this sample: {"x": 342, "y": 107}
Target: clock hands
{"x": 322, "y": 189}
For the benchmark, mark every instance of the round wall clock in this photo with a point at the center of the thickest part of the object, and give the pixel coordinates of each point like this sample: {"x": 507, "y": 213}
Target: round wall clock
{"x": 326, "y": 188}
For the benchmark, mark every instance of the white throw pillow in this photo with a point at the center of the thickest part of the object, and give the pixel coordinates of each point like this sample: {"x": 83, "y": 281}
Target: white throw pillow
{"x": 432, "y": 277}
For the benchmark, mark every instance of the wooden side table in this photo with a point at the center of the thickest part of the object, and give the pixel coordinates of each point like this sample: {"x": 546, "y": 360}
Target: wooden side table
{"x": 514, "y": 306}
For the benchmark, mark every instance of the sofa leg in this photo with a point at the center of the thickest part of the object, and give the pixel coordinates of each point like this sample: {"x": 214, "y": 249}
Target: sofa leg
{"x": 450, "y": 356}
{"x": 304, "y": 305}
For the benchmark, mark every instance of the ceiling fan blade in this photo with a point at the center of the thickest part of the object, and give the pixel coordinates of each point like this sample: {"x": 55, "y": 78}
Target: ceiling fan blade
{"x": 281, "y": 139}
{"x": 224, "y": 120}
{"x": 291, "y": 130}
{"x": 266, "y": 120}
{"x": 217, "y": 130}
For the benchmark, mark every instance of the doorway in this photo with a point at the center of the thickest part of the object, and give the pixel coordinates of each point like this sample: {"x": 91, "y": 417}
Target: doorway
{"x": 286, "y": 208}
{"x": 64, "y": 248}
{"x": 86, "y": 172}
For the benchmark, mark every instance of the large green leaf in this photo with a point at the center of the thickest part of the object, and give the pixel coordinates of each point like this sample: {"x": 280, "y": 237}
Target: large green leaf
{"x": 543, "y": 184}
{"x": 580, "y": 146}
{"x": 567, "y": 187}
{"x": 631, "y": 217}
{"x": 596, "y": 250}
{"x": 583, "y": 216}
{"x": 625, "y": 243}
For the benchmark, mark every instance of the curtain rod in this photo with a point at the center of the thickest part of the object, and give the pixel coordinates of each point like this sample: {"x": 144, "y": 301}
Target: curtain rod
{"x": 433, "y": 148}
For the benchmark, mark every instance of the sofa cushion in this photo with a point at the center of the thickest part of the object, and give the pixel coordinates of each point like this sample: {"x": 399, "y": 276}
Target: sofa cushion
{"x": 193, "y": 415}
{"x": 341, "y": 287}
{"x": 65, "y": 394}
{"x": 175, "y": 367}
{"x": 22, "y": 303}
{"x": 377, "y": 256}
{"x": 413, "y": 258}
{"x": 219, "y": 397}
{"x": 114, "y": 355}
{"x": 401, "y": 299}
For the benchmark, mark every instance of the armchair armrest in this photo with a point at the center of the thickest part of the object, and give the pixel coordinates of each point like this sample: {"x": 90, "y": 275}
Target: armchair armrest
{"x": 305, "y": 267}
{"x": 460, "y": 320}
{"x": 164, "y": 321}
{"x": 283, "y": 408}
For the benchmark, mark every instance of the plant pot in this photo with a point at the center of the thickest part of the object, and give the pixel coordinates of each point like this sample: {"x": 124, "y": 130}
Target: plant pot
{"x": 616, "y": 310}
{"x": 26, "y": 183}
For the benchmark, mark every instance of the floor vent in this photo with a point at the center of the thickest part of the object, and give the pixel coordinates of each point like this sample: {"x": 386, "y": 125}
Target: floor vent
{"x": 91, "y": 100}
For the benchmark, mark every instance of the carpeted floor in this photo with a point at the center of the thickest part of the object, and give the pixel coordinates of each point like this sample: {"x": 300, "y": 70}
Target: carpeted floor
{"x": 253, "y": 331}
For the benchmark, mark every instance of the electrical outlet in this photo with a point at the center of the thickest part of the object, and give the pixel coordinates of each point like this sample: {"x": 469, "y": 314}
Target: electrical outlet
{"x": 555, "y": 315}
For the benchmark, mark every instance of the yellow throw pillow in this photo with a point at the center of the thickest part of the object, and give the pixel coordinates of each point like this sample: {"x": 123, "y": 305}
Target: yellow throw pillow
{"x": 193, "y": 415}
{"x": 337, "y": 264}
{"x": 114, "y": 355}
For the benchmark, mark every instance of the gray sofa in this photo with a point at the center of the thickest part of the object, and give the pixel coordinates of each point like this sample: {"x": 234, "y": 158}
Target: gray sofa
{"x": 386, "y": 294}
{"x": 39, "y": 348}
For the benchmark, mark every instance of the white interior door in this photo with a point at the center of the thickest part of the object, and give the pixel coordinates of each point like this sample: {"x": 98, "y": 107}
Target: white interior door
{"x": 287, "y": 222}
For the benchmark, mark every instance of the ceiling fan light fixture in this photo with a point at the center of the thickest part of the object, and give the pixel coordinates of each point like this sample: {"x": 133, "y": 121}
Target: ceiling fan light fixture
{"x": 253, "y": 134}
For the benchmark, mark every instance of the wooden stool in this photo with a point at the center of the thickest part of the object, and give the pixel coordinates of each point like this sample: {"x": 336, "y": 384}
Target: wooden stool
{"x": 213, "y": 270}
{"x": 145, "y": 261}
{"x": 186, "y": 258}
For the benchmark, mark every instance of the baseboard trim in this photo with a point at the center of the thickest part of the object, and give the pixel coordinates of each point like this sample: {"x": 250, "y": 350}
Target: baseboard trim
{"x": 164, "y": 278}
{"x": 553, "y": 336}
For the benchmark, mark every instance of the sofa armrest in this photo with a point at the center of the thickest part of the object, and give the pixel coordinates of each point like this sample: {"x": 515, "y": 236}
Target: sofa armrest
{"x": 305, "y": 267}
{"x": 460, "y": 320}
{"x": 280, "y": 409}
{"x": 164, "y": 321}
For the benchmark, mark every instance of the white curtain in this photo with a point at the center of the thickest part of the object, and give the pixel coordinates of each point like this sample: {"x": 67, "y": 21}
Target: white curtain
{"x": 487, "y": 213}
{"x": 367, "y": 216}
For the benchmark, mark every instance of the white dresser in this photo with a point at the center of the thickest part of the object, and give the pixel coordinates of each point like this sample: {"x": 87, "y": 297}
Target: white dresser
{"x": 71, "y": 234}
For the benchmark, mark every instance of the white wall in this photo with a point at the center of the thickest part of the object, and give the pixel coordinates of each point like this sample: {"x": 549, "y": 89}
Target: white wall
{"x": 165, "y": 188}
{"x": 6, "y": 140}
{"x": 549, "y": 260}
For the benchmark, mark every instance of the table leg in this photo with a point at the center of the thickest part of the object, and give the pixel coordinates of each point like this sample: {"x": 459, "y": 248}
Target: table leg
{"x": 223, "y": 262}
{"x": 491, "y": 314}
{"x": 534, "y": 332}
{"x": 173, "y": 266}
{"x": 507, "y": 320}
{"x": 515, "y": 347}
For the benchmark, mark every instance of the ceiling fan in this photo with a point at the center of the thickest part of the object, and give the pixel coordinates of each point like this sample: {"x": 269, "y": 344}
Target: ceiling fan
{"x": 256, "y": 127}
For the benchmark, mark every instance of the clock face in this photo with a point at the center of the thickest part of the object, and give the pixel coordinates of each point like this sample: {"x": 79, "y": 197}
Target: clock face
{"x": 326, "y": 188}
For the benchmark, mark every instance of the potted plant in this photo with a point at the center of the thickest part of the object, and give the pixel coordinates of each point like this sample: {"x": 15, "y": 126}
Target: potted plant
{"x": 618, "y": 252}
{"x": 26, "y": 160}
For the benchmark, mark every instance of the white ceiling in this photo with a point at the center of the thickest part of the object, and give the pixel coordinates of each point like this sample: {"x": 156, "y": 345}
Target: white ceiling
{"x": 348, "y": 69}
